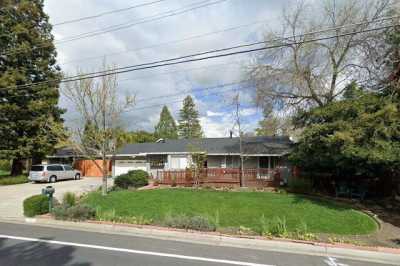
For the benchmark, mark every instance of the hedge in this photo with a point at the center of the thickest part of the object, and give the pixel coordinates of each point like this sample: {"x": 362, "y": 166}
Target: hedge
{"x": 134, "y": 178}
{"x": 36, "y": 205}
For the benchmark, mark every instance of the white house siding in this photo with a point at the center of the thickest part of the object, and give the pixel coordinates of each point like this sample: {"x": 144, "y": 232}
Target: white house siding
{"x": 124, "y": 166}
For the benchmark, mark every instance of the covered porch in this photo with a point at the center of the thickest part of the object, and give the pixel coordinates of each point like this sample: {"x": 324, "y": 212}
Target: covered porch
{"x": 231, "y": 177}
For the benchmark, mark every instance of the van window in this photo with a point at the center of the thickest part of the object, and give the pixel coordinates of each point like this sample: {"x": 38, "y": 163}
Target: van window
{"x": 37, "y": 168}
{"x": 55, "y": 168}
{"x": 68, "y": 168}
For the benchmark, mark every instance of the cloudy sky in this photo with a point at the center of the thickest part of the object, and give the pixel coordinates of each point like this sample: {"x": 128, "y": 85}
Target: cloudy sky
{"x": 145, "y": 37}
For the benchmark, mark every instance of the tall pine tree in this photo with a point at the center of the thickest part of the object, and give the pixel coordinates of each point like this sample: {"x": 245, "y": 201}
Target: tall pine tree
{"x": 166, "y": 127}
{"x": 189, "y": 124}
{"x": 28, "y": 114}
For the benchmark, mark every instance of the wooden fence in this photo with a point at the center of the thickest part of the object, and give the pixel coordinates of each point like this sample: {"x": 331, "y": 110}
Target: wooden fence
{"x": 262, "y": 177}
{"x": 89, "y": 168}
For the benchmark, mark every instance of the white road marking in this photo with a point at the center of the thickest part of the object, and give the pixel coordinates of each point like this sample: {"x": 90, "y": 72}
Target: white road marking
{"x": 142, "y": 252}
{"x": 332, "y": 262}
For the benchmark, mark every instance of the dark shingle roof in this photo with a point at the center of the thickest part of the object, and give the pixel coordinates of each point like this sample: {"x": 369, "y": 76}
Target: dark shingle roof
{"x": 65, "y": 152}
{"x": 251, "y": 145}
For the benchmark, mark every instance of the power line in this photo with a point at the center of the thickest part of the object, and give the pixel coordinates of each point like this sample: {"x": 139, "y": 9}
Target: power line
{"x": 144, "y": 20}
{"x": 179, "y": 71}
{"x": 177, "y": 101}
{"x": 139, "y": 66}
{"x": 145, "y": 99}
{"x": 161, "y": 63}
{"x": 156, "y": 17}
{"x": 248, "y": 45}
{"x": 193, "y": 90}
{"x": 106, "y": 13}
{"x": 168, "y": 42}
{"x": 166, "y": 73}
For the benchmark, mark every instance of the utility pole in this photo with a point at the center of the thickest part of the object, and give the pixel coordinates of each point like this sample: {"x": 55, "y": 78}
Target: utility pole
{"x": 237, "y": 103}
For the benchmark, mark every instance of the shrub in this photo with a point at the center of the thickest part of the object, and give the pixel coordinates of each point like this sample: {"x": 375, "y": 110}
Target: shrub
{"x": 135, "y": 178}
{"x": 13, "y": 180}
{"x": 197, "y": 222}
{"x": 110, "y": 215}
{"x": 274, "y": 227}
{"x": 302, "y": 232}
{"x": 80, "y": 212}
{"x": 5, "y": 165}
{"x": 277, "y": 227}
{"x": 300, "y": 185}
{"x": 36, "y": 205}
{"x": 69, "y": 199}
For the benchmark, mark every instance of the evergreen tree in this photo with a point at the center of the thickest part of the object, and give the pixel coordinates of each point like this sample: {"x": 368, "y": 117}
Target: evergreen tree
{"x": 28, "y": 114}
{"x": 357, "y": 136}
{"x": 166, "y": 127}
{"x": 189, "y": 124}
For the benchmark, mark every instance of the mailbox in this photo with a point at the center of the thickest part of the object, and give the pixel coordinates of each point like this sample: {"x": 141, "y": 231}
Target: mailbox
{"x": 49, "y": 191}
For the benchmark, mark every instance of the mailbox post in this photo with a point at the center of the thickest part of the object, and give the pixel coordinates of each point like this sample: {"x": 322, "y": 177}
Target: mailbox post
{"x": 49, "y": 191}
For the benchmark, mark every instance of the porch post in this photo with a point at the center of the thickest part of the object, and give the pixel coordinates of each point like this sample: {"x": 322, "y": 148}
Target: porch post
{"x": 269, "y": 166}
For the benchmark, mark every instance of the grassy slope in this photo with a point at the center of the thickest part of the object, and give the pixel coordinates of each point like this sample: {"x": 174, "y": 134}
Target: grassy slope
{"x": 237, "y": 209}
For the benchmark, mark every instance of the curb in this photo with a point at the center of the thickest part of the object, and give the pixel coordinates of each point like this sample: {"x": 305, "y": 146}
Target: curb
{"x": 345, "y": 251}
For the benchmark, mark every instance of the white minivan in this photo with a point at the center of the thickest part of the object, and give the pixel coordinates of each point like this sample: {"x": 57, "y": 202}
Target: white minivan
{"x": 52, "y": 173}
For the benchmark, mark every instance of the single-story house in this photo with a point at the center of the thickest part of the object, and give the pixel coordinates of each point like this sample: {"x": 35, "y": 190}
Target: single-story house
{"x": 169, "y": 160}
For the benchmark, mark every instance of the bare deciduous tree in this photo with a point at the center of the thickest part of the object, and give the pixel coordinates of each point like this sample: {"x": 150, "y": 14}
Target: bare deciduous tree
{"x": 304, "y": 73}
{"x": 100, "y": 109}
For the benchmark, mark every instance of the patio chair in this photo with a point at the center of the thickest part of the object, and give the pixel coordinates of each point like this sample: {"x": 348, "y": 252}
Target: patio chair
{"x": 358, "y": 192}
{"x": 342, "y": 190}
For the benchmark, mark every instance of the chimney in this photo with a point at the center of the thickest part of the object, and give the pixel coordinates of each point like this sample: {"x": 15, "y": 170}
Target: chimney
{"x": 230, "y": 133}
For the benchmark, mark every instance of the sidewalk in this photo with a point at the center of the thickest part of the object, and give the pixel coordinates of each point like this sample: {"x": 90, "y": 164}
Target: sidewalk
{"x": 370, "y": 254}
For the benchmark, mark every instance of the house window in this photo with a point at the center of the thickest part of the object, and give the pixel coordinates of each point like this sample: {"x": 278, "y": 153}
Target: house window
{"x": 232, "y": 162}
{"x": 157, "y": 163}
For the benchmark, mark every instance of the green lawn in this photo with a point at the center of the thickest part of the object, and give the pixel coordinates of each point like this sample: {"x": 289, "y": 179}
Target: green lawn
{"x": 236, "y": 209}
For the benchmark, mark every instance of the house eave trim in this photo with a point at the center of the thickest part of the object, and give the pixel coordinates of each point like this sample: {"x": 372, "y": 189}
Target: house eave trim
{"x": 213, "y": 154}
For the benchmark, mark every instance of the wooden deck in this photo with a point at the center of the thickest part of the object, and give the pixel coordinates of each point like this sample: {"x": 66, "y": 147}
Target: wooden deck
{"x": 262, "y": 177}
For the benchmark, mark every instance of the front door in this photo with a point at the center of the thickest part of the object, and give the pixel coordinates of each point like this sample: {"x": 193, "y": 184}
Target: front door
{"x": 264, "y": 165}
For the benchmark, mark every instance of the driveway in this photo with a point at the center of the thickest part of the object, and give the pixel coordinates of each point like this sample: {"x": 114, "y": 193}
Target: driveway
{"x": 11, "y": 197}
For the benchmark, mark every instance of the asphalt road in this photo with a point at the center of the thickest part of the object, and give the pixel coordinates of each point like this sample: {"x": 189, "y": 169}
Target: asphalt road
{"x": 35, "y": 245}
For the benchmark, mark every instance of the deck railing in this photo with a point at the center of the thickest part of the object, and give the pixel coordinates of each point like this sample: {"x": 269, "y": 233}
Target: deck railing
{"x": 219, "y": 176}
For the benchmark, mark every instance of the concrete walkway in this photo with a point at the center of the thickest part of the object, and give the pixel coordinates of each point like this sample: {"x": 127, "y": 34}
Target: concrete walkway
{"x": 11, "y": 197}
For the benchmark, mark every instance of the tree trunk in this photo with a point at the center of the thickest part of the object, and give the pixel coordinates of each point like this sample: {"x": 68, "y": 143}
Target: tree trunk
{"x": 105, "y": 174}
{"x": 28, "y": 164}
{"x": 17, "y": 167}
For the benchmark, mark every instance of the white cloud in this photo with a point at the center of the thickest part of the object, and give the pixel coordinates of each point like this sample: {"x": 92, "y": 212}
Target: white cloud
{"x": 211, "y": 113}
{"x": 215, "y": 129}
{"x": 248, "y": 111}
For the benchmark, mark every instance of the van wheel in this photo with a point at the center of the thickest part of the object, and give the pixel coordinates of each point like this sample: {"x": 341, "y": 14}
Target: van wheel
{"x": 77, "y": 176}
{"x": 53, "y": 179}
